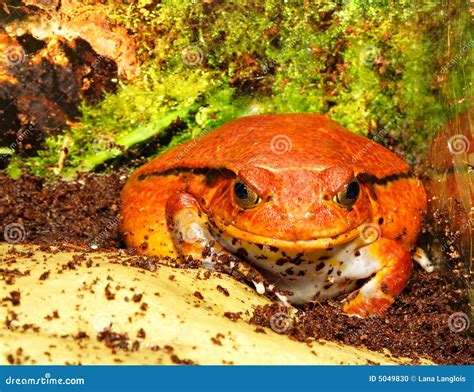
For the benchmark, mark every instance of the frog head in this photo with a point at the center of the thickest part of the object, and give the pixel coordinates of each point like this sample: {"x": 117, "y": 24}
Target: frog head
{"x": 294, "y": 208}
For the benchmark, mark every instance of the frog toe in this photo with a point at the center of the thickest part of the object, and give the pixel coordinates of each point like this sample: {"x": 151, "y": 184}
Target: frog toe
{"x": 423, "y": 260}
{"x": 377, "y": 295}
{"x": 367, "y": 304}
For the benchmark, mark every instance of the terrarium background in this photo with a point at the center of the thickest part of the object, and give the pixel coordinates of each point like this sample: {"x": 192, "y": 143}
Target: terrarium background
{"x": 104, "y": 86}
{"x": 146, "y": 75}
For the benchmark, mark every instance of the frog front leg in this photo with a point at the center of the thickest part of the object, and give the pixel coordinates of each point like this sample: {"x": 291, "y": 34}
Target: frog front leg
{"x": 394, "y": 269}
{"x": 189, "y": 228}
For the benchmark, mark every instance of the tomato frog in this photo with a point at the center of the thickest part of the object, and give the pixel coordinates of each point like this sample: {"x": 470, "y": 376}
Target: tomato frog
{"x": 295, "y": 203}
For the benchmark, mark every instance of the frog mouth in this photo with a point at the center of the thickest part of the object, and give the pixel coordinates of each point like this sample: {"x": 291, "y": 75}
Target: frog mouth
{"x": 301, "y": 246}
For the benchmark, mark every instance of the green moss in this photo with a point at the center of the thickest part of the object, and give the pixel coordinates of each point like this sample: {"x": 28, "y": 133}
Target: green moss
{"x": 371, "y": 65}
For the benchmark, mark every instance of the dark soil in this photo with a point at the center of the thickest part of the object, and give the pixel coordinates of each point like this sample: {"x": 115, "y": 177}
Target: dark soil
{"x": 83, "y": 214}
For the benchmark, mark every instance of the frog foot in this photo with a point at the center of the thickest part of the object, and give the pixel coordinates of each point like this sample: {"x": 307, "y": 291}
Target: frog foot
{"x": 422, "y": 259}
{"x": 193, "y": 240}
{"x": 377, "y": 294}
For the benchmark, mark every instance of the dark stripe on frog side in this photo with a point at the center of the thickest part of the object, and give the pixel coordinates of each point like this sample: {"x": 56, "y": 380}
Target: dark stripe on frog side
{"x": 211, "y": 174}
{"x": 373, "y": 180}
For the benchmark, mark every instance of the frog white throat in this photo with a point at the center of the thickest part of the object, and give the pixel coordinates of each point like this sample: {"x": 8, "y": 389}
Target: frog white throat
{"x": 308, "y": 276}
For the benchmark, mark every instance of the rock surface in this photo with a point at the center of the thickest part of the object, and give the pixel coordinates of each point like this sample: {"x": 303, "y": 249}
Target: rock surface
{"x": 108, "y": 308}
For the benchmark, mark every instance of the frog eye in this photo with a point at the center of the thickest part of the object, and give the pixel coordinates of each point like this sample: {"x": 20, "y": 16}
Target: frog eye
{"x": 244, "y": 195}
{"x": 348, "y": 195}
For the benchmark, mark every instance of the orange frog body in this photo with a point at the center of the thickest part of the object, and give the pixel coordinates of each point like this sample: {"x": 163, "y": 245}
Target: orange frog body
{"x": 295, "y": 203}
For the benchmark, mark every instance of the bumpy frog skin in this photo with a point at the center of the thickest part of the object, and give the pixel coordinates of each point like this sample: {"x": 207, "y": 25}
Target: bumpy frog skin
{"x": 295, "y": 203}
